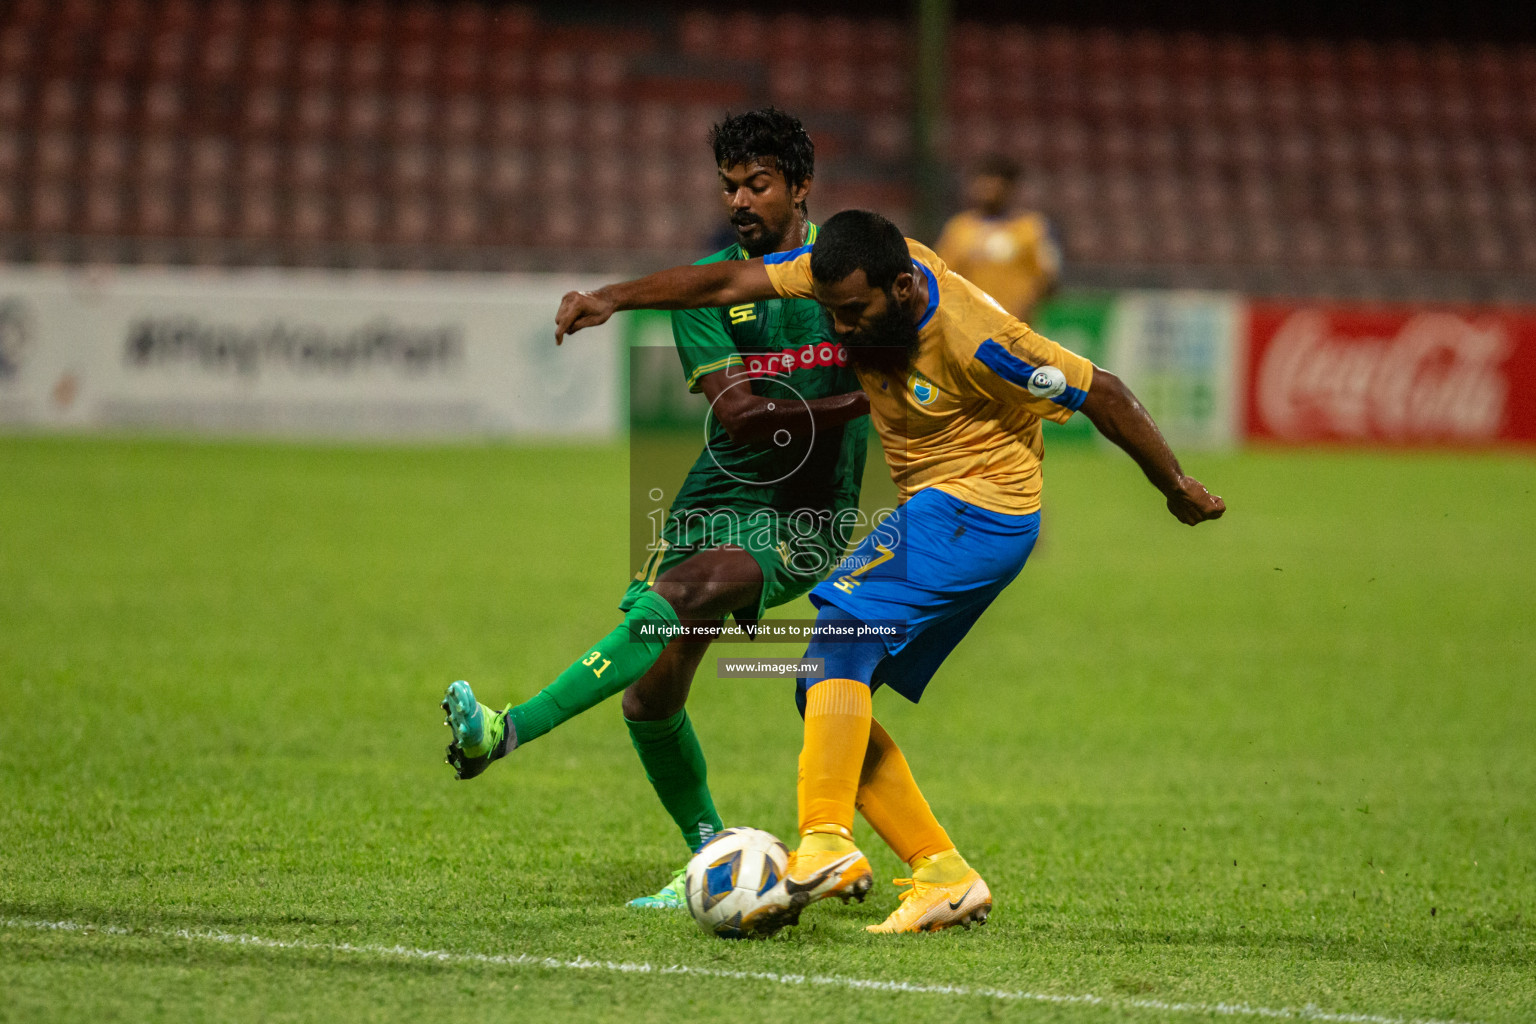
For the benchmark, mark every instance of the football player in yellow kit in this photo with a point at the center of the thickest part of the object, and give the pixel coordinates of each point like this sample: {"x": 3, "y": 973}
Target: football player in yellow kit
{"x": 1009, "y": 254}
{"x": 958, "y": 388}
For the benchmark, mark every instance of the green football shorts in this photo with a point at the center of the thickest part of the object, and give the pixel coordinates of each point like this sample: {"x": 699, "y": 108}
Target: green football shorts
{"x": 793, "y": 555}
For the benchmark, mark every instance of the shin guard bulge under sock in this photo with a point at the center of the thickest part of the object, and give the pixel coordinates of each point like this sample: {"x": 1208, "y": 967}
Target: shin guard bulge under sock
{"x": 890, "y": 801}
{"x": 837, "y": 717}
{"x": 674, "y": 763}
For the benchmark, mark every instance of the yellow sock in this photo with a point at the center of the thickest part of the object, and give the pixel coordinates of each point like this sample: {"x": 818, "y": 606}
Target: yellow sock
{"x": 941, "y": 868}
{"x": 837, "y": 717}
{"x": 890, "y": 801}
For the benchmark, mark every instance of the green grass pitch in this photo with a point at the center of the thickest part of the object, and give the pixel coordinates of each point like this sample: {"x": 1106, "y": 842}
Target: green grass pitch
{"x": 1280, "y": 762}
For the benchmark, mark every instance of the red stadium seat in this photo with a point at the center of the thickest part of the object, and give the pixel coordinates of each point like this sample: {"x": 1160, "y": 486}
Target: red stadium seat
{"x": 742, "y": 33}
{"x": 611, "y": 229}
{"x": 12, "y": 155}
{"x": 561, "y": 224}
{"x": 362, "y": 63}
{"x": 103, "y": 209}
{"x": 309, "y": 217}
{"x": 412, "y": 221}
{"x": 509, "y": 172}
{"x": 412, "y": 63}
{"x": 55, "y": 155}
{"x": 207, "y": 212}
{"x": 51, "y": 208}
{"x": 314, "y": 114}
{"x": 316, "y": 62}
{"x": 159, "y": 160}
{"x": 888, "y": 137}
{"x": 411, "y": 116}
{"x": 310, "y": 166}
{"x": 360, "y": 218}
{"x": 209, "y": 161}
{"x": 256, "y": 213}
{"x": 154, "y": 212}
{"x": 558, "y": 123}
{"x": 460, "y": 169}
{"x": 461, "y": 218}
{"x": 405, "y": 123}
{"x": 970, "y": 89}
{"x": 1523, "y": 252}
{"x": 604, "y": 128}
{"x": 790, "y": 84}
{"x": 510, "y": 120}
{"x": 698, "y": 33}
{"x": 258, "y": 165}
{"x": 410, "y": 168}
{"x": 461, "y": 67}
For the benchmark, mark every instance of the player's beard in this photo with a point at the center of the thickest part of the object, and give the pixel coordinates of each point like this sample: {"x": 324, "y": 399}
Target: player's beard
{"x": 764, "y": 243}
{"x": 888, "y": 345}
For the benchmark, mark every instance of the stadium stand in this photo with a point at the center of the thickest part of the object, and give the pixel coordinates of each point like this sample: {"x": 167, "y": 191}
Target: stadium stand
{"x": 419, "y": 135}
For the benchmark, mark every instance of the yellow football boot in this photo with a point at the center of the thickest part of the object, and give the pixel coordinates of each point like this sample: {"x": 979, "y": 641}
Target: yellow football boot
{"x": 930, "y": 906}
{"x": 813, "y": 876}
{"x": 816, "y": 876}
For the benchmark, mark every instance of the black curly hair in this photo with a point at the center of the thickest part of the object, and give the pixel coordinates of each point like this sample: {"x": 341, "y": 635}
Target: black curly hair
{"x": 766, "y": 132}
{"x": 860, "y": 240}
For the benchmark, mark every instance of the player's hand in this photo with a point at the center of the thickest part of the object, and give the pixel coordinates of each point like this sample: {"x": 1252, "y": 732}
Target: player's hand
{"x": 1191, "y": 503}
{"x": 581, "y": 309}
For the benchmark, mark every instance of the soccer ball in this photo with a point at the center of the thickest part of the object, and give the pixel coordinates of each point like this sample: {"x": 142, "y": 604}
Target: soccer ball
{"x": 734, "y": 883}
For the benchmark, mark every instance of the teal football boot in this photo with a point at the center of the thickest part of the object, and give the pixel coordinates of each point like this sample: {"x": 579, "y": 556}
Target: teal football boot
{"x": 673, "y": 895}
{"x": 480, "y": 735}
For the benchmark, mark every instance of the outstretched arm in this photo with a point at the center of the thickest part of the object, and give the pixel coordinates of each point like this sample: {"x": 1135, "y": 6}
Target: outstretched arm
{"x": 1120, "y": 417}
{"x": 726, "y": 283}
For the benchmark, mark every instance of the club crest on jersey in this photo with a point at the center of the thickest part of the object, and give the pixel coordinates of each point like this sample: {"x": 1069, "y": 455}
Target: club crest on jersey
{"x": 923, "y": 389}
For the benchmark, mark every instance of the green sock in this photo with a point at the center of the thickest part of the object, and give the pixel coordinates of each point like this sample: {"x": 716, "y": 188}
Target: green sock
{"x": 619, "y": 659}
{"x": 674, "y": 762}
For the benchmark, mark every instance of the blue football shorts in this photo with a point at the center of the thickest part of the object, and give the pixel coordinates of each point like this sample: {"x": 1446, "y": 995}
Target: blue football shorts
{"x": 923, "y": 576}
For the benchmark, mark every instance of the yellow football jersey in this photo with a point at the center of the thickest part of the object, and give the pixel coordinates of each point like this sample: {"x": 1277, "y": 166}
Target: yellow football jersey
{"x": 1012, "y": 259}
{"x": 967, "y": 418}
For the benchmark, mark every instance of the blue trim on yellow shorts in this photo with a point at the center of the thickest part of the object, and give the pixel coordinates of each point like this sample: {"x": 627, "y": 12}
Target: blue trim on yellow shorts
{"x": 934, "y": 566}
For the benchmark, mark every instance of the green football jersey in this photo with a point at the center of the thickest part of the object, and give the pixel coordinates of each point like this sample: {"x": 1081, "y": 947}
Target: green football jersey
{"x": 781, "y": 349}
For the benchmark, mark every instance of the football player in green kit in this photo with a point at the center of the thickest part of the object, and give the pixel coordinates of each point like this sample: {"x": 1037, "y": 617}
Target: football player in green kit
{"x": 764, "y": 514}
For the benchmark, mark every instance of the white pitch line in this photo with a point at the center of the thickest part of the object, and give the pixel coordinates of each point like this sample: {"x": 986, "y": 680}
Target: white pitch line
{"x": 1306, "y": 1013}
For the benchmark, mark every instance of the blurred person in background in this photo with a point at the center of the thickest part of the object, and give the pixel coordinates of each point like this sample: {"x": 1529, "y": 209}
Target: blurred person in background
{"x": 1009, "y": 255}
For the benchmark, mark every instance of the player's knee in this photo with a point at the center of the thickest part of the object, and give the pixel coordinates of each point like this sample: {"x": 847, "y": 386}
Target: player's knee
{"x": 711, "y": 585}
{"x": 643, "y": 703}
{"x": 634, "y": 706}
{"x": 688, "y": 598}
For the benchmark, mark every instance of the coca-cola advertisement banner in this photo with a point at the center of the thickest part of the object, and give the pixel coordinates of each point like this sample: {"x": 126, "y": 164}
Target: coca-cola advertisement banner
{"x": 1390, "y": 374}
